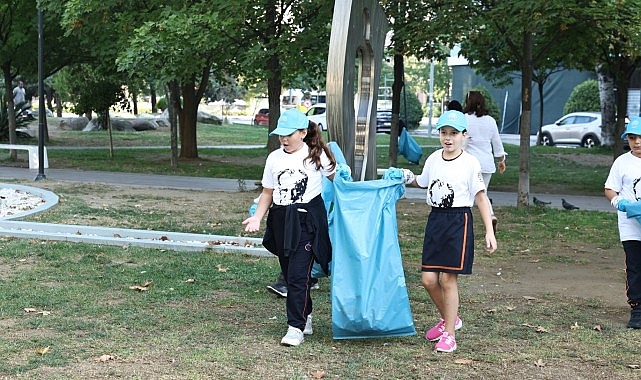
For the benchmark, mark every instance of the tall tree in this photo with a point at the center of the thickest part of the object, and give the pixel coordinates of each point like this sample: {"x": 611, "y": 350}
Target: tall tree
{"x": 283, "y": 41}
{"x": 614, "y": 34}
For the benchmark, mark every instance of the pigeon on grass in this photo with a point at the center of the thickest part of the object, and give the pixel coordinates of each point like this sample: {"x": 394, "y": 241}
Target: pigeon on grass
{"x": 567, "y": 205}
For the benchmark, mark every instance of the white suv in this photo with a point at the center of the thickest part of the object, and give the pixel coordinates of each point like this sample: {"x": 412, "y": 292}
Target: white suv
{"x": 581, "y": 128}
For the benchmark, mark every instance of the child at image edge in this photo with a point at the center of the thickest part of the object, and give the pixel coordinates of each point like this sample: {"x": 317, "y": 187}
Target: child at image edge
{"x": 623, "y": 188}
{"x": 453, "y": 181}
{"x": 297, "y": 228}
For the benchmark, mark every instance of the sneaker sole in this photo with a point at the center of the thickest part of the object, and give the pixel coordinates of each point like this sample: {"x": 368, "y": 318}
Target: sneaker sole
{"x": 456, "y": 327}
{"x": 291, "y": 344}
{"x": 277, "y": 292}
{"x": 446, "y": 351}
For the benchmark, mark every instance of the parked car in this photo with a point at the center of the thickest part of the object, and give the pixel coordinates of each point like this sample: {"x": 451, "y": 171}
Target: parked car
{"x": 579, "y": 128}
{"x": 316, "y": 113}
{"x": 262, "y": 117}
{"x": 384, "y": 121}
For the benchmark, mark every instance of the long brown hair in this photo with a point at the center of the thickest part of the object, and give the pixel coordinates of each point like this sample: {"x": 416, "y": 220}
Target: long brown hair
{"x": 475, "y": 104}
{"x": 314, "y": 139}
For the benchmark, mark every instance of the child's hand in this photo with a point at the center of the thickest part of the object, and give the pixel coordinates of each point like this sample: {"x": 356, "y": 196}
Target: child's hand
{"x": 252, "y": 224}
{"x": 490, "y": 243}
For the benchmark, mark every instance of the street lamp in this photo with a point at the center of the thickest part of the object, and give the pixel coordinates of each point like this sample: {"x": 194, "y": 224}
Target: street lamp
{"x": 41, "y": 104}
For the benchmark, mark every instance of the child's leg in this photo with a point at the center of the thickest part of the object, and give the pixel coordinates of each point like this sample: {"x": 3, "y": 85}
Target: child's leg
{"x": 449, "y": 310}
{"x": 430, "y": 282}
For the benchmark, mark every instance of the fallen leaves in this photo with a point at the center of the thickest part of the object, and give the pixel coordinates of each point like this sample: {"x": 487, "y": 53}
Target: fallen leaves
{"x": 142, "y": 288}
{"x": 104, "y": 358}
{"x": 539, "y": 363}
{"x": 43, "y": 350}
{"x": 35, "y": 311}
{"x": 318, "y": 374}
{"x": 538, "y": 329}
{"x": 221, "y": 269}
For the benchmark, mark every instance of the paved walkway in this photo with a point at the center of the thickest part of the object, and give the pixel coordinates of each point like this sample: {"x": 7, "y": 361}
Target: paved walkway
{"x": 598, "y": 203}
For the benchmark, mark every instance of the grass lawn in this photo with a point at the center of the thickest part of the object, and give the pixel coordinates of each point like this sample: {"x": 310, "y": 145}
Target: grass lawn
{"x": 547, "y": 305}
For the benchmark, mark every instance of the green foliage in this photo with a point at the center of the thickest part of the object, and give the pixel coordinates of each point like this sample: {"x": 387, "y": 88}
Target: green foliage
{"x": 414, "y": 109}
{"x": 162, "y": 104}
{"x": 584, "y": 97}
{"x": 490, "y": 104}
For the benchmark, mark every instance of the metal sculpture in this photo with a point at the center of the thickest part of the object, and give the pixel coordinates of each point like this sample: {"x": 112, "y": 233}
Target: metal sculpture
{"x": 355, "y": 53}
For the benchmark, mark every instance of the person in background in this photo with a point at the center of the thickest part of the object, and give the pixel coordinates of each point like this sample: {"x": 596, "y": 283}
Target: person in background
{"x": 297, "y": 228}
{"x": 454, "y": 105}
{"x": 483, "y": 140}
{"x": 623, "y": 189}
{"x": 19, "y": 94}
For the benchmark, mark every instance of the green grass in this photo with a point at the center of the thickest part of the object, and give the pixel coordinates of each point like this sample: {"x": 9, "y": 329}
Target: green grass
{"x": 552, "y": 170}
{"x": 225, "y": 325}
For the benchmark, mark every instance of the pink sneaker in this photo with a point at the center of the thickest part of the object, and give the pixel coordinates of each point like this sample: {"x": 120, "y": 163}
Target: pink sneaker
{"x": 435, "y": 332}
{"x": 447, "y": 343}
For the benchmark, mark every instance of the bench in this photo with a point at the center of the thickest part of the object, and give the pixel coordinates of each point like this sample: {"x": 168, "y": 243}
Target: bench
{"x": 33, "y": 154}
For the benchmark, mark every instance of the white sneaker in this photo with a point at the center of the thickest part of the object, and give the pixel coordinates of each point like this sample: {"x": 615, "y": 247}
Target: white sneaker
{"x": 294, "y": 337}
{"x": 309, "y": 330}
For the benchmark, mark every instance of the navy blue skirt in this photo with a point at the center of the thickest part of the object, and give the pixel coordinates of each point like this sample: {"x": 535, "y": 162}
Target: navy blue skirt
{"x": 448, "y": 245}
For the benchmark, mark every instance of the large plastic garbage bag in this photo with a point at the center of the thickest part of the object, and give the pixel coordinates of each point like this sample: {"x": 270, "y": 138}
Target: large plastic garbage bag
{"x": 327, "y": 192}
{"x": 409, "y": 148}
{"x": 368, "y": 291}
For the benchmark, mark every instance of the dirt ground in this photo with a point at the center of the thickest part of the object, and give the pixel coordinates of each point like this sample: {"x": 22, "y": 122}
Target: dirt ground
{"x": 599, "y": 274}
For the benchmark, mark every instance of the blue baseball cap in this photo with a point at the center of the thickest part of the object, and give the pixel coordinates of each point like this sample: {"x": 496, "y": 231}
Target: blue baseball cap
{"x": 454, "y": 119}
{"x": 289, "y": 122}
{"x": 633, "y": 127}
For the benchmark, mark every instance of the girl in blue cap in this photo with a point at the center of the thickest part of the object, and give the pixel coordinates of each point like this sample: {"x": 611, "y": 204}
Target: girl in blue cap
{"x": 453, "y": 181}
{"x": 622, "y": 188}
{"x": 296, "y": 229}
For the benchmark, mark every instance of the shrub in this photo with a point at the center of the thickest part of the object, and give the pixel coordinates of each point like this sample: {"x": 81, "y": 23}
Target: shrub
{"x": 161, "y": 104}
{"x": 584, "y": 97}
{"x": 414, "y": 110}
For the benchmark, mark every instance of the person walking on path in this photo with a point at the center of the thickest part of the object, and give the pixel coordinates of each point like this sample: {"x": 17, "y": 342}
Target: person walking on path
{"x": 297, "y": 228}
{"x": 453, "y": 179}
{"x": 623, "y": 189}
{"x": 19, "y": 94}
{"x": 483, "y": 140}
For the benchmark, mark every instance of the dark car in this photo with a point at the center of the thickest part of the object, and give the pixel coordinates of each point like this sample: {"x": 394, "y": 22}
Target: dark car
{"x": 384, "y": 121}
{"x": 262, "y": 117}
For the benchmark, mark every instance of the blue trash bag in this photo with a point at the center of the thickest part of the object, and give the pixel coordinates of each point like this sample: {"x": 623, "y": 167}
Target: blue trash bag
{"x": 368, "y": 290}
{"x": 327, "y": 192}
{"x": 633, "y": 210}
{"x": 409, "y": 148}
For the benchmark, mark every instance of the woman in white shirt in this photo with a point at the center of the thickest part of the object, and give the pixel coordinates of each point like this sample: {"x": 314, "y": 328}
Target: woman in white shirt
{"x": 483, "y": 139}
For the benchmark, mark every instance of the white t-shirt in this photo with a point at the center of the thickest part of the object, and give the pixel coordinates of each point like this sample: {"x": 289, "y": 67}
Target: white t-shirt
{"x": 294, "y": 179}
{"x": 483, "y": 141}
{"x": 451, "y": 183}
{"x": 18, "y": 95}
{"x": 625, "y": 179}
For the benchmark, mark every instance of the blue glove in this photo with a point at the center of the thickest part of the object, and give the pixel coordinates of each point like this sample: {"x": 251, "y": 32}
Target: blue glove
{"x": 621, "y": 206}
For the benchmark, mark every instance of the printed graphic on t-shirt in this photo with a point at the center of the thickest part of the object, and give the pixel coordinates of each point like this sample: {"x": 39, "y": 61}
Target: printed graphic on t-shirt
{"x": 292, "y": 185}
{"x": 636, "y": 187}
{"x": 441, "y": 194}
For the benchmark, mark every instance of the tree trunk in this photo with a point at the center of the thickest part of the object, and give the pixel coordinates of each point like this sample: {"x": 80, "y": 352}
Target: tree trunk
{"x": 608, "y": 104}
{"x": 58, "y": 104}
{"x": 173, "y": 108}
{"x": 107, "y": 122}
{"x": 523, "y": 198}
{"x": 274, "y": 85}
{"x": 397, "y": 88}
{"x": 152, "y": 93}
{"x": 134, "y": 100}
{"x": 11, "y": 109}
{"x": 540, "y": 88}
{"x": 188, "y": 118}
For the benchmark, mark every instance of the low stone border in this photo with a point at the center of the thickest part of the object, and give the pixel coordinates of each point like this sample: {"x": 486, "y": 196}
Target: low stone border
{"x": 178, "y": 241}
